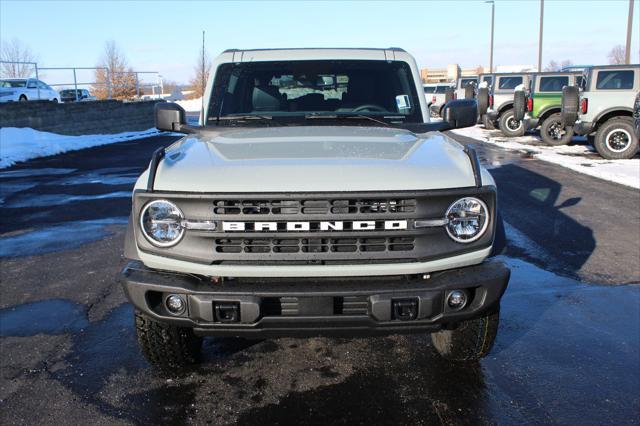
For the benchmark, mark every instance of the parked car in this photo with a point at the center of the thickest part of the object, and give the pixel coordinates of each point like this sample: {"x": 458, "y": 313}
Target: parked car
{"x": 76, "y": 95}
{"x": 465, "y": 87}
{"x": 636, "y": 114}
{"x": 331, "y": 212}
{"x": 436, "y": 97}
{"x": 26, "y": 89}
{"x": 542, "y": 105}
{"x": 604, "y": 109}
{"x": 500, "y": 113}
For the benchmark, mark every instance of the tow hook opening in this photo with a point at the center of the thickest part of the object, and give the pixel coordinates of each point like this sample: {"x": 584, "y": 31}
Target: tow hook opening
{"x": 226, "y": 312}
{"x": 404, "y": 309}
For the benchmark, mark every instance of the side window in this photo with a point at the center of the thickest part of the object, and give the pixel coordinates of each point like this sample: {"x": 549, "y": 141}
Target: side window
{"x": 580, "y": 81}
{"x": 42, "y": 86}
{"x": 507, "y": 83}
{"x": 32, "y": 85}
{"x": 553, "y": 84}
{"x": 615, "y": 80}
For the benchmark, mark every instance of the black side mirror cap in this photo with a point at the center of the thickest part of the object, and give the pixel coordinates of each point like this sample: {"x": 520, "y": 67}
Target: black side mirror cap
{"x": 169, "y": 117}
{"x": 460, "y": 113}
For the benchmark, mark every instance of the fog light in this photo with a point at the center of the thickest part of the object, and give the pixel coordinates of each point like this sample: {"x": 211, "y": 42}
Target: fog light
{"x": 457, "y": 299}
{"x": 176, "y": 304}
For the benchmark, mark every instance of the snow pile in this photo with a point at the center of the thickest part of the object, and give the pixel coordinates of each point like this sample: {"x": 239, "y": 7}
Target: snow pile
{"x": 191, "y": 105}
{"x": 581, "y": 158}
{"x": 22, "y": 144}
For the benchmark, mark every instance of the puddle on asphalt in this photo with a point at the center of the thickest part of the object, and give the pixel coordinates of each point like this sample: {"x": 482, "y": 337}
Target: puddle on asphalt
{"x": 43, "y": 200}
{"x": 35, "y": 172}
{"x": 9, "y": 188}
{"x": 67, "y": 236}
{"x": 53, "y": 316}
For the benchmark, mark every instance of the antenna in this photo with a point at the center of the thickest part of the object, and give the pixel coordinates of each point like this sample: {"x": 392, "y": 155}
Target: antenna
{"x": 203, "y": 83}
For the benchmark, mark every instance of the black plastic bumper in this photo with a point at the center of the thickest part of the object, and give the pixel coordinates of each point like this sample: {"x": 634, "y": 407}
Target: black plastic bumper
{"x": 530, "y": 123}
{"x": 583, "y": 128}
{"x": 493, "y": 115}
{"x": 314, "y": 306}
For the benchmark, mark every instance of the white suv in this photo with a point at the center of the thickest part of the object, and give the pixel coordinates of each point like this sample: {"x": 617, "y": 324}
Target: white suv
{"x": 26, "y": 89}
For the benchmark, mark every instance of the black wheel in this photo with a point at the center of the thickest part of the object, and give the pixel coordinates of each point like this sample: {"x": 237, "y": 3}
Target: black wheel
{"x": 22, "y": 98}
{"x": 616, "y": 139}
{"x": 553, "y": 132}
{"x": 569, "y": 106}
{"x": 483, "y": 100}
{"x": 166, "y": 346}
{"x": 470, "y": 340}
{"x": 509, "y": 126}
{"x": 54, "y": 100}
{"x": 488, "y": 124}
{"x": 519, "y": 104}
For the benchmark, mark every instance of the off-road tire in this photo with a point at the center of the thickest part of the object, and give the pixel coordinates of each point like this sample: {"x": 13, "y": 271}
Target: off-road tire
{"x": 552, "y": 124}
{"x": 469, "y": 91}
{"x": 569, "y": 105}
{"x": 488, "y": 124}
{"x": 483, "y": 100}
{"x": 623, "y": 126}
{"x": 22, "y": 98}
{"x": 503, "y": 123}
{"x": 166, "y": 346}
{"x": 519, "y": 104}
{"x": 470, "y": 340}
{"x": 448, "y": 95}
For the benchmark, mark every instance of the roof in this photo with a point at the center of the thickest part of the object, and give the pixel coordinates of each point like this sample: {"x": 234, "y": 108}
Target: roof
{"x": 397, "y": 49}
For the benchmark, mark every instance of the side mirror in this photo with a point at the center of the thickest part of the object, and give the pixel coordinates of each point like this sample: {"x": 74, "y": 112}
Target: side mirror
{"x": 460, "y": 113}
{"x": 169, "y": 116}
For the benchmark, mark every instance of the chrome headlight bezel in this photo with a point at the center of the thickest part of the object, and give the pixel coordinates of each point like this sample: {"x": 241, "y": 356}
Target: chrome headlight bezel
{"x": 156, "y": 243}
{"x": 483, "y": 228}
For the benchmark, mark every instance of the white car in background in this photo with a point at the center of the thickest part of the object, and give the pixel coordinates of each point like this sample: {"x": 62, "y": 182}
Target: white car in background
{"x": 26, "y": 89}
{"x": 435, "y": 93}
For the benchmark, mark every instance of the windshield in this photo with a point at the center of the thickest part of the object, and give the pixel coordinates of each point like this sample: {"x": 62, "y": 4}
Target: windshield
{"x": 465, "y": 81}
{"x": 70, "y": 92}
{"x": 381, "y": 89}
{"x": 13, "y": 83}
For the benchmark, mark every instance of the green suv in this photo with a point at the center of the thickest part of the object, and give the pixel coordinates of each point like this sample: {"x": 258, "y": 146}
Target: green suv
{"x": 543, "y": 104}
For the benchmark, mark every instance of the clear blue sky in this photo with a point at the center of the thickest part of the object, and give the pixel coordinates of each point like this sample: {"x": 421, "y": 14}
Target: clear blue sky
{"x": 165, "y": 36}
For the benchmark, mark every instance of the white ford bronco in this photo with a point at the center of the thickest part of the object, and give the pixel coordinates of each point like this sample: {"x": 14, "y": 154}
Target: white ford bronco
{"x": 501, "y": 113}
{"x": 314, "y": 198}
{"x": 604, "y": 109}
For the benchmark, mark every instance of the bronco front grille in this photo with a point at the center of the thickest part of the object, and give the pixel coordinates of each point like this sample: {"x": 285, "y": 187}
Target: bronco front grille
{"x": 323, "y": 207}
{"x": 313, "y": 245}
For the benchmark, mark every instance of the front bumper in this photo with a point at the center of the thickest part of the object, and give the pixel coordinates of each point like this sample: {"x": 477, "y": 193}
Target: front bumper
{"x": 277, "y": 307}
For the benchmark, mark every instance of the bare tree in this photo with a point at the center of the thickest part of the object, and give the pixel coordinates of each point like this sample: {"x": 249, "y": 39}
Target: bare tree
{"x": 201, "y": 71}
{"x": 616, "y": 55}
{"x": 566, "y": 63}
{"x": 552, "y": 66}
{"x": 118, "y": 75}
{"x": 16, "y": 51}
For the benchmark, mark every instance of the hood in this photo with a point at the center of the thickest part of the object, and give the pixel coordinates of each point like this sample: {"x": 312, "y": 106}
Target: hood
{"x": 314, "y": 159}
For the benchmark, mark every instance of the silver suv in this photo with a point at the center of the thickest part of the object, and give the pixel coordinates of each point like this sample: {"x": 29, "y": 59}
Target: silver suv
{"x": 604, "y": 109}
{"x": 501, "y": 113}
{"x": 315, "y": 197}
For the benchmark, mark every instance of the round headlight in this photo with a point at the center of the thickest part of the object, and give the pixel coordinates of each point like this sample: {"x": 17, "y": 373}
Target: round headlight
{"x": 161, "y": 223}
{"x": 468, "y": 219}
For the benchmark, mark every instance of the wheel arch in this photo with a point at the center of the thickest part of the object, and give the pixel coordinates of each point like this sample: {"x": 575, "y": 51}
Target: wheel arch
{"x": 548, "y": 111}
{"x": 505, "y": 106}
{"x": 610, "y": 113}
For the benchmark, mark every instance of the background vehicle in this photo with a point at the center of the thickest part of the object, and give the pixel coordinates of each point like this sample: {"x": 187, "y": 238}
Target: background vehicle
{"x": 73, "y": 95}
{"x": 465, "y": 87}
{"x": 543, "y": 104}
{"x": 26, "y": 89}
{"x": 636, "y": 114}
{"x": 500, "y": 113}
{"x": 436, "y": 97}
{"x": 604, "y": 109}
{"x": 347, "y": 191}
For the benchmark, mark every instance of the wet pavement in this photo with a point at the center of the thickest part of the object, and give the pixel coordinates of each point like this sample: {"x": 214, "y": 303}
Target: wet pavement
{"x": 568, "y": 348}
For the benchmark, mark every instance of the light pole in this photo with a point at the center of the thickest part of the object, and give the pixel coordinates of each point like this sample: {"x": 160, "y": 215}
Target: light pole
{"x": 493, "y": 15}
{"x": 627, "y": 52}
{"x": 540, "y": 39}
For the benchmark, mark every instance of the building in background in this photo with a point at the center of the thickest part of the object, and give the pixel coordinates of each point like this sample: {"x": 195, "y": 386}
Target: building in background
{"x": 448, "y": 74}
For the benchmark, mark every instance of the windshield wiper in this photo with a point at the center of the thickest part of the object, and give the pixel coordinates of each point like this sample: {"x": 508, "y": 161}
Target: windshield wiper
{"x": 346, "y": 117}
{"x": 247, "y": 117}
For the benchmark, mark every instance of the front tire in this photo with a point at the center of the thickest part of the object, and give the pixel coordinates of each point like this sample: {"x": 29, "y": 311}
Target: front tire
{"x": 22, "y": 98}
{"x": 166, "y": 346}
{"x": 553, "y": 131}
{"x": 616, "y": 139}
{"x": 470, "y": 341}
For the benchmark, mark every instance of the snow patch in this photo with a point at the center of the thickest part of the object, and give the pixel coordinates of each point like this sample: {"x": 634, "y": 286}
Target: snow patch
{"x": 580, "y": 158}
{"x": 22, "y": 144}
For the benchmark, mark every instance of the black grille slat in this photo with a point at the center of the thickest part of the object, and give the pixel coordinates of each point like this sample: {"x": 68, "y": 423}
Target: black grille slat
{"x": 315, "y": 207}
{"x": 313, "y": 245}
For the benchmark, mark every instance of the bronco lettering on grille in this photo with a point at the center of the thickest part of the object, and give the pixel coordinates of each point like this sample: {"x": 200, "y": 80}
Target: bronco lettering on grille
{"x": 358, "y": 225}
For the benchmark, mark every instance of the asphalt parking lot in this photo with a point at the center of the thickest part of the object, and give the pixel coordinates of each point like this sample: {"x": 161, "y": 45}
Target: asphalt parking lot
{"x": 568, "y": 349}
